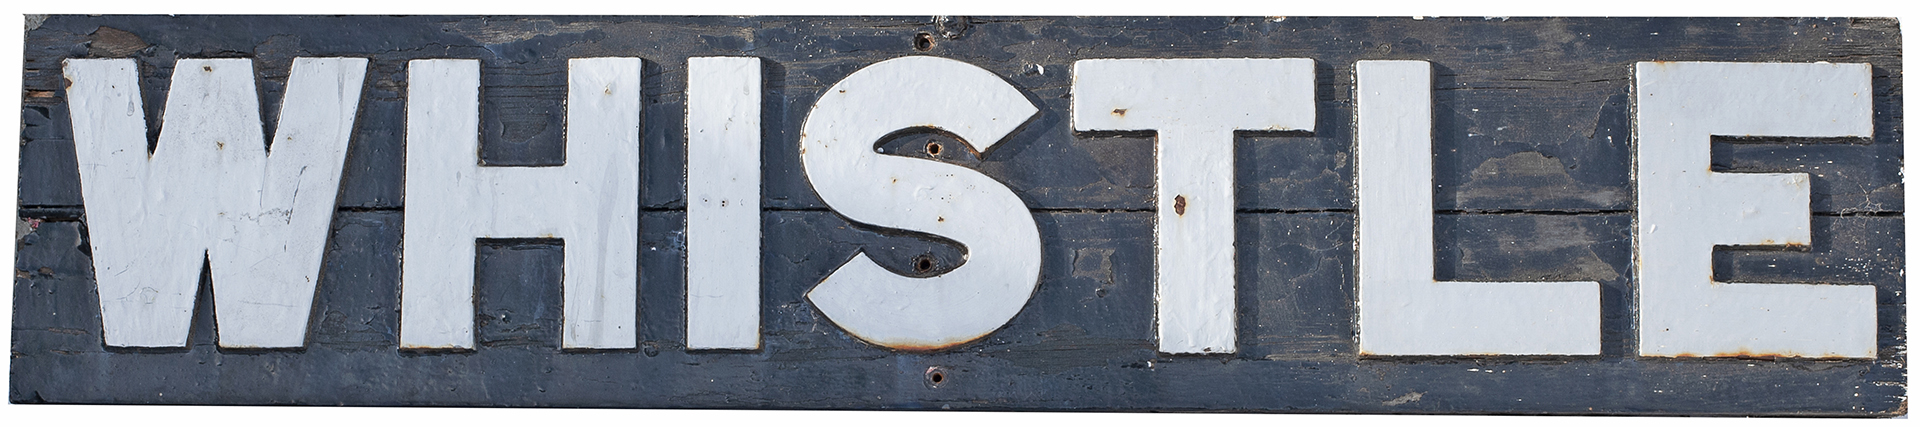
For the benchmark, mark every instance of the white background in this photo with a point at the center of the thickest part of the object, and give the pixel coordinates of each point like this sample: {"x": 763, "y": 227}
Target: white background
{"x": 11, "y": 48}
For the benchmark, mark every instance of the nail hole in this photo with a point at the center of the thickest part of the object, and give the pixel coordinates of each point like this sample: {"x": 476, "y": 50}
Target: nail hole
{"x": 923, "y": 42}
{"x": 923, "y": 263}
{"x": 206, "y": 68}
{"x": 933, "y": 148}
{"x": 1179, "y": 205}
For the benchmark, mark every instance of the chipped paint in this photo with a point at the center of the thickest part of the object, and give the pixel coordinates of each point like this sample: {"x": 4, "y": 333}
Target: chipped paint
{"x": 1404, "y": 399}
{"x": 24, "y": 226}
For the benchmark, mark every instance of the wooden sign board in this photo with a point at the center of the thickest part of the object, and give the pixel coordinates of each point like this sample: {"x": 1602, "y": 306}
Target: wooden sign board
{"x": 1261, "y": 214}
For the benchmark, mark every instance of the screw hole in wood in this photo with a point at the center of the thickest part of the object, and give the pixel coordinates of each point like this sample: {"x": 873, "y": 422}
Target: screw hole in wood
{"x": 923, "y": 41}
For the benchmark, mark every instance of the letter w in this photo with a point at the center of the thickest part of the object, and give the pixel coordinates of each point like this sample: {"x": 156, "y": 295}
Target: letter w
{"x": 210, "y": 190}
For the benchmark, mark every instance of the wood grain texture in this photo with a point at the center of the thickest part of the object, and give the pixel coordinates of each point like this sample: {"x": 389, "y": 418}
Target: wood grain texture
{"x": 1532, "y": 168}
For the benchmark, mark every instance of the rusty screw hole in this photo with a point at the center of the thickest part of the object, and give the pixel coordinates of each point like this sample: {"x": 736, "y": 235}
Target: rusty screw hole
{"x": 936, "y": 375}
{"x": 923, "y": 42}
{"x": 933, "y": 148}
{"x": 922, "y": 263}
{"x": 1179, "y": 205}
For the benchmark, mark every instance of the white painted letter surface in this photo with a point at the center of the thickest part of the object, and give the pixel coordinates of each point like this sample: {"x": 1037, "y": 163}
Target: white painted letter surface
{"x": 210, "y": 191}
{"x": 1403, "y": 310}
{"x": 1685, "y": 209}
{"x": 723, "y": 203}
{"x": 1002, "y": 265}
{"x": 592, "y": 203}
{"x": 1194, "y": 106}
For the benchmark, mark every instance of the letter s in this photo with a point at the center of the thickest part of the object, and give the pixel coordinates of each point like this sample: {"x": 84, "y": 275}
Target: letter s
{"x": 1002, "y": 265}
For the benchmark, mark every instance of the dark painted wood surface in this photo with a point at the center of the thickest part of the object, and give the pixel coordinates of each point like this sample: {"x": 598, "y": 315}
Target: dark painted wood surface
{"x": 1532, "y": 179}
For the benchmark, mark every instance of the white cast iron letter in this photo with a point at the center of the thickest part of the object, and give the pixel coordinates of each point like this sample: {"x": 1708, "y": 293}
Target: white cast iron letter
{"x": 593, "y": 203}
{"x": 1194, "y": 105}
{"x": 1003, "y": 245}
{"x": 1403, "y": 310}
{"x": 1686, "y": 209}
{"x": 723, "y": 203}
{"x": 210, "y": 190}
